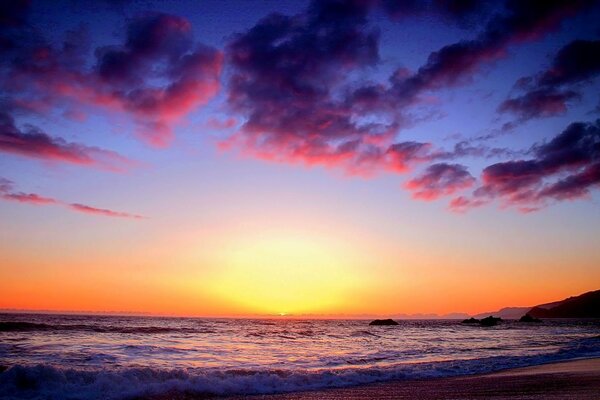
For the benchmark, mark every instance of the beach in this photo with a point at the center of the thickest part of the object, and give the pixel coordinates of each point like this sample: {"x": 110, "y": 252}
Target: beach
{"x": 579, "y": 379}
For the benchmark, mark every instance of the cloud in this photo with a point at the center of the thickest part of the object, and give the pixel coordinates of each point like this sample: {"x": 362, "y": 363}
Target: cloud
{"x": 462, "y": 204}
{"x": 440, "y": 180}
{"x": 299, "y": 107}
{"x": 463, "y": 12}
{"x": 565, "y": 168}
{"x": 7, "y": 192}
{"x": 465, "y": 148}
{"x": 289, "y": 79}
{"x": 13, "y": 13}
{"x": 35, "y": 143}
{"x": 157, "y": 76}
{"x": 29, "y": 198}
{"x": 402, "y": 156}
{"x": 539, "y": 103}
{"x": 454, "y": 64}
{"x": 158, "y": 47}
{"x": 296, "y": 79}
{"x": 576, "y": 62}
{"x": 301, "y": 89}
{"x": 550, "y": 92}
{"x": 100, "y": 211}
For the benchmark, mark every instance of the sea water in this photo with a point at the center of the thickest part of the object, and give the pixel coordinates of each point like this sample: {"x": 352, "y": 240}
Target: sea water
{"x": 48, "y": 356}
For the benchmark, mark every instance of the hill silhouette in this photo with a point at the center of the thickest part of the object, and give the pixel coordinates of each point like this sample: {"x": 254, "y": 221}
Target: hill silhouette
{"x": 586, "y": 305}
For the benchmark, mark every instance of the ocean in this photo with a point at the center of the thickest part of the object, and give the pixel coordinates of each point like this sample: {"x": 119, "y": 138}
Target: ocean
{"x": 113, "y": 357}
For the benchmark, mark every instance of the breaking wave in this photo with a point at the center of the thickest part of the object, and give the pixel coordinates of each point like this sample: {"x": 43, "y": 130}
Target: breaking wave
{"x": 51, "y": 382}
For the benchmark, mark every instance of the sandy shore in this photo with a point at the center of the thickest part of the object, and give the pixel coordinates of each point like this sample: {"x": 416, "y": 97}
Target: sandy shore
{"x": 566, "y": 380}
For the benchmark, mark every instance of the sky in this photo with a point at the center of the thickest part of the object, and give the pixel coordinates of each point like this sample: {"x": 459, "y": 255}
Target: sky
{"x": 336, "y": 158}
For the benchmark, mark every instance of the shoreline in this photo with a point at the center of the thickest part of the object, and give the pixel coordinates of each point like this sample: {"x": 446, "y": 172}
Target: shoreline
{"x": 577, "y": 379}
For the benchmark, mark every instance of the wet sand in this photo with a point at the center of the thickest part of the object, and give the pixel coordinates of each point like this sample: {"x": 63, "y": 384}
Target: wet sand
{"x": 575, "y": 380}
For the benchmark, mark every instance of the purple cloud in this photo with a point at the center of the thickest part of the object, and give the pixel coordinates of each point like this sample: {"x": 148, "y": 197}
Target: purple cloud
{"x": 539, "y": 103}
{"x": 157, "y": 48}
{"x": 440, "y": 180}
{"x": 551, "y": 91}
{"x": 157, "y": 76}
{"x": 289, "y": 80}
{"x": 566, "y": 167}
{"x": 7, "y": 192}
{"x": 454, "y": 64}
{"x": 35, "y": 143}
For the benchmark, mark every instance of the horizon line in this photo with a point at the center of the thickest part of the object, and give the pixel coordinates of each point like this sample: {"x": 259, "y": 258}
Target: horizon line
{"x": 411, "y": 316}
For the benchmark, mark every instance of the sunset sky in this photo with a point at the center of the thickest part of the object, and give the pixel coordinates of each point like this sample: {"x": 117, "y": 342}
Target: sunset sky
{"x": 326, "y": 158}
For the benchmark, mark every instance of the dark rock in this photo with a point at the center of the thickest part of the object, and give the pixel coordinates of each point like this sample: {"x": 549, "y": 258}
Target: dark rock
{"x": 529, "y": 318}
{"x": 490, "y": 321}
{"x": 471, "y": 321}
{"x": 380, "y": 322}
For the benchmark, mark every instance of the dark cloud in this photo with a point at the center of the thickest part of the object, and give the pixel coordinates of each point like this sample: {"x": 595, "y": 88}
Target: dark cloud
{"x": 158, "y": 48}
{"x": 35, "y": 143}
{"x": 466, "y": 148}
{"x": 463, "y": 12}
{"x": 550, "y": 92}
{"x": 544, "y": 102}
{"x": 290, "y": 79}
{"x": 294, "y": 78}
{"x": 454, "y": 64}
{"x": 576, "y": 62}
{"x": 566, "y": 167}
{"x": 574, "y": 186}
{"x": 7, "y": 192}
{"x": 157, "y": 76}
{"x": 299, "y": 88}
{"x": 13, "y": 13}
{"x": 290, "y": 76}
{"x": 440, "y": 180}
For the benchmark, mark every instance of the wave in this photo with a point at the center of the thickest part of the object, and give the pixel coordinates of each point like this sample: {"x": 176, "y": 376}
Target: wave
{"x": 363, "y": 333}
{"x": 52, "y": 382}
{"x": 33, "y": 326}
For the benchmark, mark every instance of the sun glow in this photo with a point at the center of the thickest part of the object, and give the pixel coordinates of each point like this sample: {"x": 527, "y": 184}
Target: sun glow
{"x": 286, "y": 274}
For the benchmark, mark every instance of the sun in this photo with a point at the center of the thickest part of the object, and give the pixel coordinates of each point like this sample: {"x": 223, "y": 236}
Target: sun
{"x": 283, "y": 271}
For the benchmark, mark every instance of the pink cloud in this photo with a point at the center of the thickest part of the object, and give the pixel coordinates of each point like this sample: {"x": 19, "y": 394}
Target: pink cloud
{"x": 7, "y": 193}
{"x": 29, "y": 198}
{"x": 440, "y": 180}
{"x": 158, "y": 76}
{"x": 103, "y": 212}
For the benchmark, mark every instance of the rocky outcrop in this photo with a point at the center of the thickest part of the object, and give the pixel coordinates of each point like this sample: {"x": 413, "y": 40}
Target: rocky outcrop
{"x": 383, "y": 322}
{"x": 529, "y": 318}
{"x": 490, "y": 321}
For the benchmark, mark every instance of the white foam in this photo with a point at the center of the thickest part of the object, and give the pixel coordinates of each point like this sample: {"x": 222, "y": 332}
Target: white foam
{"x": 48, "y": 382}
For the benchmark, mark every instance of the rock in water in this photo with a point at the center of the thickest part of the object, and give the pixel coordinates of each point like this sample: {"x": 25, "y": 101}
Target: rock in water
{"x": 529, "y": 318}
{"x": 490, "y": 321}
{"x": 471, "y": 321}
{"x": 383, "y": 322}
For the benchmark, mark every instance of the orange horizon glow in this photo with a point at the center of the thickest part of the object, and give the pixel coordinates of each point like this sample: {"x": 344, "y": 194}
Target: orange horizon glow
{"x": 307, "y": 271}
